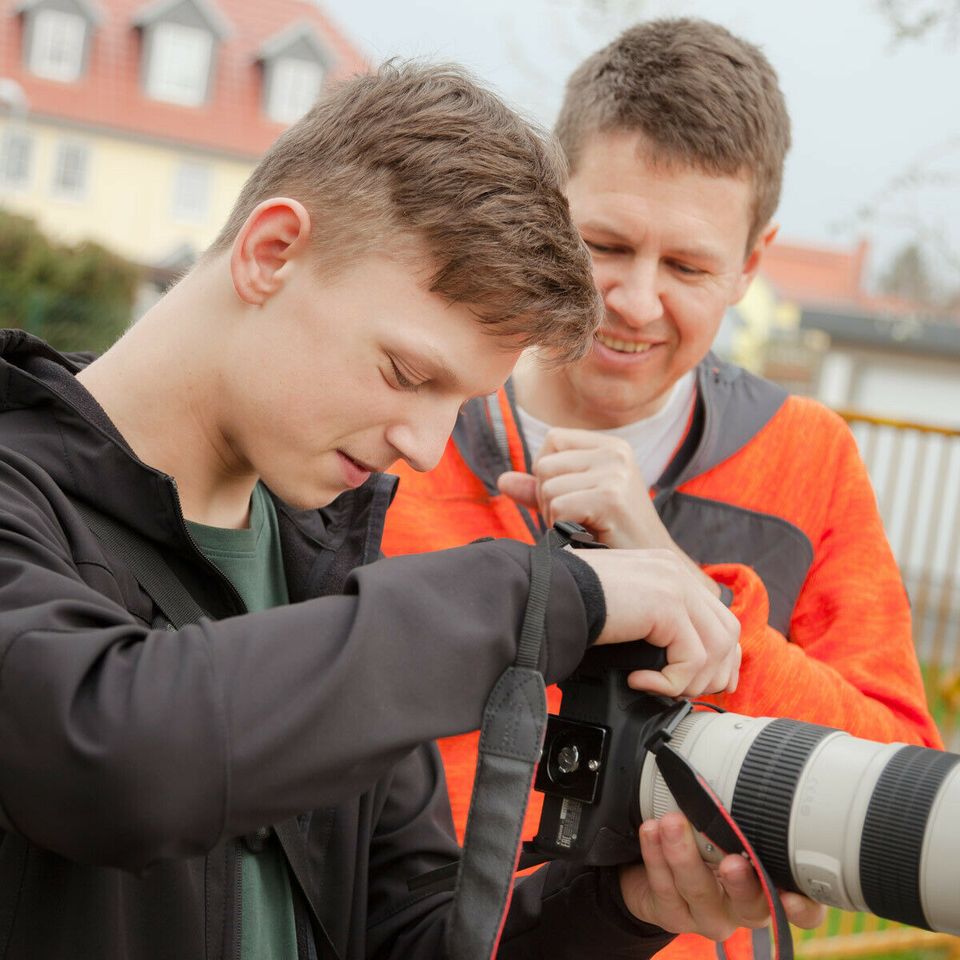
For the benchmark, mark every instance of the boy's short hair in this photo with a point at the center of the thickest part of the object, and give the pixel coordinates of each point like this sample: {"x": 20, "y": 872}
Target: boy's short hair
{"x": 422, "y": 163}
{"x": 697, "y": 94}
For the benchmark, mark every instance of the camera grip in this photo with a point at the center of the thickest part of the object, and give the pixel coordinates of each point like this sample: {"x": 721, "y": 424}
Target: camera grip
{"x": 636, "y": 655}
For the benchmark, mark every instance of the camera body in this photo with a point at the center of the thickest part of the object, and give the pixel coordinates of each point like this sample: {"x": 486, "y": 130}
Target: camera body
{"x": 593, "y": 755}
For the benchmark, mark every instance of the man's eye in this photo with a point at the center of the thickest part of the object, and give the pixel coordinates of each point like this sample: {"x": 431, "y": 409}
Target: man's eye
{"x": 686, "y": 269}
{"x": 600, "y": 247}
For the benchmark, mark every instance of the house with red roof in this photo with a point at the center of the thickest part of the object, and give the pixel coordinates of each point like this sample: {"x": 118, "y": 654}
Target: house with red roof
{"x": 810, "y": 322}
{"x": 135, "y": 122}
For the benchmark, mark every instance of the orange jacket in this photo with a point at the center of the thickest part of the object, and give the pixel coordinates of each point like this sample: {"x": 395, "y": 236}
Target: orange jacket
{"x": 794, "y": 532}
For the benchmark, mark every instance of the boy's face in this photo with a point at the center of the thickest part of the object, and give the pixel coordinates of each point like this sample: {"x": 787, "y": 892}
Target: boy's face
{"x": 668, "y": 254}
{"x": 338, "y": 377}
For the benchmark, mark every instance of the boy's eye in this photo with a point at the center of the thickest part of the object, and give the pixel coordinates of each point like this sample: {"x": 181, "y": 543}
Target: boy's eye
{"x": 403, "y": 381}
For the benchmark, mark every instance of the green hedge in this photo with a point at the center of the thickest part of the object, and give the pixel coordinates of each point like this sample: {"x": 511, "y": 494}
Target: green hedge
{"x": 76, "y": 297}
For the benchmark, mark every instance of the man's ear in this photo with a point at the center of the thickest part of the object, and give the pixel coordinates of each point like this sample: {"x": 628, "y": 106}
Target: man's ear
{"x": 754, "y": 258}
{"x": 276, "y": 232}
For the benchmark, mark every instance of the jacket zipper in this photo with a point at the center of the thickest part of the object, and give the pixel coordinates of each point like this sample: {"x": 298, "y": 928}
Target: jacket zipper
{"x": 238, "y": 900}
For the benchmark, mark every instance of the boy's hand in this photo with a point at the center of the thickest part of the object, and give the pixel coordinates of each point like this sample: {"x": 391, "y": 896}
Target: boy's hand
{"x": 674, "y": 889}
{"x": 653, "y": 595}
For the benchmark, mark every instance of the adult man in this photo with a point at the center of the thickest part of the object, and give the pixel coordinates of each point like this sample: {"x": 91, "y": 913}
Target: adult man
{"x": 675, "y": 135}
{"x": 334, "y": 326}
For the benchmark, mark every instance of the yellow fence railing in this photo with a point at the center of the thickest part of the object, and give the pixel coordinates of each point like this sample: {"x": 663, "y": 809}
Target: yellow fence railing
{"x": 915, "y": 470}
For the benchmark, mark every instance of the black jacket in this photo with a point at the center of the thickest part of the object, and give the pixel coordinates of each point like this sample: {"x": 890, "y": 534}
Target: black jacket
{"x": 133, "y": 756}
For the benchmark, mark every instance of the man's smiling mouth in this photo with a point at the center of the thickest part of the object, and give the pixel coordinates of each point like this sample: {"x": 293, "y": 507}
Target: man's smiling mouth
{"x": 623, "y": 346}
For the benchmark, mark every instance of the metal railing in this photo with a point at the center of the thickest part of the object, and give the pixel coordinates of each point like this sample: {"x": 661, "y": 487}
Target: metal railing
{"x": 915, "y": 471}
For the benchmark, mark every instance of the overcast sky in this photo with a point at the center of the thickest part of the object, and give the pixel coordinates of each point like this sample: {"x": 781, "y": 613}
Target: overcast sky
{"x": 866, "y": 112}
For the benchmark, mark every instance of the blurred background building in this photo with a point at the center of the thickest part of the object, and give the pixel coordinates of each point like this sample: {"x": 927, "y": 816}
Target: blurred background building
{"x": 810, "y": 322}
{"x": 134, "y": 124}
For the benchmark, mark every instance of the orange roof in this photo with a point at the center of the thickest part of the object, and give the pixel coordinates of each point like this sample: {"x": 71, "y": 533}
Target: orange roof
{"x": 814, "y": 276}
{"x": 809, "y": 274}
{"x": 110, "y": 93}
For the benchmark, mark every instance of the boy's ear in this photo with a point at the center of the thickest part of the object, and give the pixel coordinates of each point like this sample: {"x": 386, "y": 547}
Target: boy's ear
{"x": 276, "y": 232}
{"x": 754, "y": 258}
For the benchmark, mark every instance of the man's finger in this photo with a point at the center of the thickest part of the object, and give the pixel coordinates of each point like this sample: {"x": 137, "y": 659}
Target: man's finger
{"x": 571, "y": 461}
{"x": 745, "y": 892}
{"x": 802, "y": 912}
{"x": 672, "y": 910}
{"x": 572, "y": 438}
{"x": 696, "y": 882}
{"x": 521, "y": 487}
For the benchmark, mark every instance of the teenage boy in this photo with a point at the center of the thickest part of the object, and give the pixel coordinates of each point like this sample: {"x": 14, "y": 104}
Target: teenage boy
{"x": 675, "y": 135}
{"x": 386, "y": 262}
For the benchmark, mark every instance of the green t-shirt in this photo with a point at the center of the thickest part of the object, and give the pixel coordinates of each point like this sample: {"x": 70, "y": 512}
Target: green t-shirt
{"x": 251, "y": 560}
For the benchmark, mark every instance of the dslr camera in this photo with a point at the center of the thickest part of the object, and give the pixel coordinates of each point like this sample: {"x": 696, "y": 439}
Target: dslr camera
{"x": 847, "y": 822}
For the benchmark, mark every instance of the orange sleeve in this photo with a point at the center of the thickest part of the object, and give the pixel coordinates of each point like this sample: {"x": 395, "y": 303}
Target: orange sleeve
{"x": 850, "y": 661}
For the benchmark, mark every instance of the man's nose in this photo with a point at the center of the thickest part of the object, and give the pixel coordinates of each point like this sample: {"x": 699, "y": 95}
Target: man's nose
{"x": 634, "y": 294}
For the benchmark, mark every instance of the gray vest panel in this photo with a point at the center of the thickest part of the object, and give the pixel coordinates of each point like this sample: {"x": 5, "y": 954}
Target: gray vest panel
{"x": 713, "y": 532}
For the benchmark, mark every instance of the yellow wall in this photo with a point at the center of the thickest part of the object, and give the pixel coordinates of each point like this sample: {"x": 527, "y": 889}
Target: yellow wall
{"x": 761, "y": 312}
{"x": 128, "y": 205}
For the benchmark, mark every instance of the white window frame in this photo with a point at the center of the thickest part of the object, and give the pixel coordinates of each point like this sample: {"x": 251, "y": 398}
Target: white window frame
{"x": 294, "y": 86}
{"x": 23, "y": 143}
{"x": 192, "y": 183}
{"x": 57, "y": 44}
{"x": 74, "y": 152}
{"x": 180, "y": 59}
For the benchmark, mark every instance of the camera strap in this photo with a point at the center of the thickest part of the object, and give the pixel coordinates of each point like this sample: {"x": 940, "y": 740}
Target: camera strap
{"x": 704, "y": 809}
{"x": 511, "y": 739}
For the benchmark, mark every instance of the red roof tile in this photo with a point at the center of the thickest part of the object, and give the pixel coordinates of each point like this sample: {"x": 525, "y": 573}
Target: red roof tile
{"x": 809, "y": 274}
{"x": 110, "y": 93}
{"x": 815, "y": 276}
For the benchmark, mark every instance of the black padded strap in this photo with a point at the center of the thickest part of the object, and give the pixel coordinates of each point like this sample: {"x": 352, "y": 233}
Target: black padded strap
{"x": 146, "y": 564}
{"x": 704, "y": 809}
{"x": 511, "y": 739}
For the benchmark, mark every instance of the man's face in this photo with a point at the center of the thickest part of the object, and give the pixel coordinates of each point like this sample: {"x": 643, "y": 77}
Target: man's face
{"x": 333, "y": 379}
{"x": 668, "y": 257}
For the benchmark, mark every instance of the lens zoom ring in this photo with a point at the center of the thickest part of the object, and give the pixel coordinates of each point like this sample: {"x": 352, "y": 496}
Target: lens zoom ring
{"x": 893, "y": 832}
{"x": 765, "y": 789}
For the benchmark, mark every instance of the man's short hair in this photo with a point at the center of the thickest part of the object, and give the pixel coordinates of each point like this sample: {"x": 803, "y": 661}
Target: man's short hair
{"x": 421, "y": 163}
{"x": 698, "y": 95}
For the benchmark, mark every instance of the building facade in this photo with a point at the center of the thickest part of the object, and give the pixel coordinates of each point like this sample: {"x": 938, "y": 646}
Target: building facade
{"x": 135, "y": 123}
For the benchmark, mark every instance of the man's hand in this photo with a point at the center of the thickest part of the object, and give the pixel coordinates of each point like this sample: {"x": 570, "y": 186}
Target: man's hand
{"x": 674, "y": 889}
{"x": 592, "y": 478}
{"x": 653, "y": 595}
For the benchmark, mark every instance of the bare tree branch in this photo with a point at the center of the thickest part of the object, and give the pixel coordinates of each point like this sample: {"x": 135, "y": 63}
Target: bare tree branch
{"x": 913, "y": 19}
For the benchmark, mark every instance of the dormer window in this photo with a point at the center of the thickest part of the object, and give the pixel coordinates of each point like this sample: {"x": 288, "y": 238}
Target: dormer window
{"x": 180, "y": 39}
{"x": 57, "y": 36}
{"x": 295, "y": 86}
{"x": 57, "y": 49}
{"x": 179, "y": 64}
{"x": 294, "y": 65}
